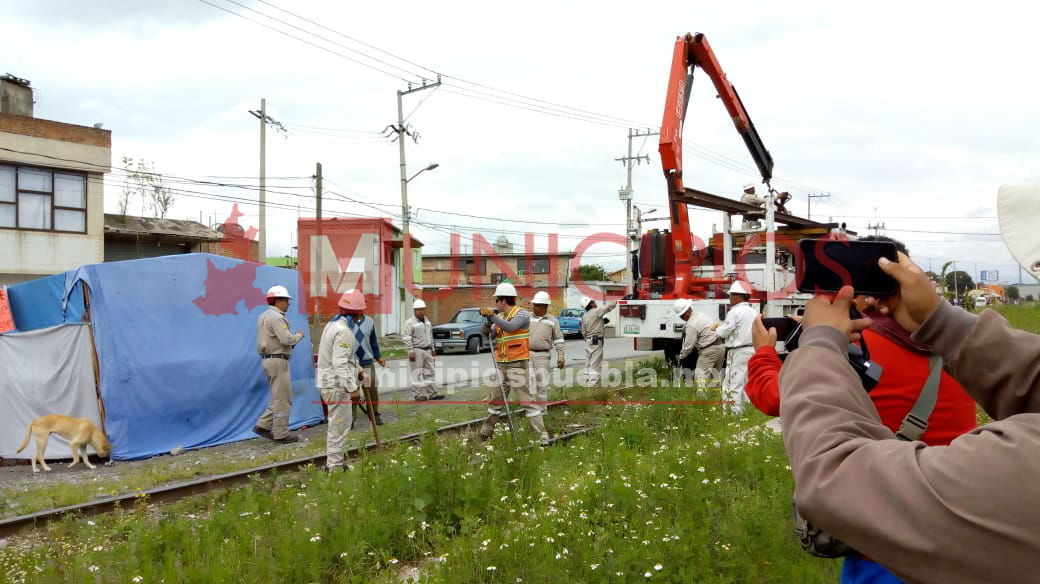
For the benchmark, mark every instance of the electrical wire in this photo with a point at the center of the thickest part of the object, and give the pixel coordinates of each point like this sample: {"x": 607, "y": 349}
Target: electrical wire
{"x": 315, "y": 45}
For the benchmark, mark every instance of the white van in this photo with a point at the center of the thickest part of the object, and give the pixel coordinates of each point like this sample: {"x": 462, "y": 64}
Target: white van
{"x": 980, "y": 302}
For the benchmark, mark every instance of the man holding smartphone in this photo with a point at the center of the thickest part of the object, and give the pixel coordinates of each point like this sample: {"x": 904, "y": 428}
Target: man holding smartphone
{"x": 966, "y": 512}
{"x": 736, "y": 332}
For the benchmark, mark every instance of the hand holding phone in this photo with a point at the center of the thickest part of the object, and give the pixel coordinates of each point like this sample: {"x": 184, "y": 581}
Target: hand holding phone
{"x": 827, "y": 265}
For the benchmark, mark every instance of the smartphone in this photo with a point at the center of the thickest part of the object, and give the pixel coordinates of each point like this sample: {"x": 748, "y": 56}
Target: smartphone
{"x": 825, "y": 265}
{"x": 783, "y": 326}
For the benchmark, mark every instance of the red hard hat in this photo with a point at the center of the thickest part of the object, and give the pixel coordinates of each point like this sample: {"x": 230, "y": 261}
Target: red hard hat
{"x": 352, "y": 300}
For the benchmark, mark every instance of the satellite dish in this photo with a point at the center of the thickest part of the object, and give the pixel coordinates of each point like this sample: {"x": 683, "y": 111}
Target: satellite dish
{"x": 1018, "y": 209}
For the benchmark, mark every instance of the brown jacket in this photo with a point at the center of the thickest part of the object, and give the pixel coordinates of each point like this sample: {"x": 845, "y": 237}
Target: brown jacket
{"x": 967, "y": 512}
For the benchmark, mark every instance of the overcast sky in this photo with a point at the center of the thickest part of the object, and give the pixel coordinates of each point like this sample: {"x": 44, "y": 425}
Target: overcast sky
{"x": 913, "y": 112}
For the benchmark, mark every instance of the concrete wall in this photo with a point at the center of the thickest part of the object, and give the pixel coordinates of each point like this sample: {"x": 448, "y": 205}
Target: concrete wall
{"x": 39, "y": 253}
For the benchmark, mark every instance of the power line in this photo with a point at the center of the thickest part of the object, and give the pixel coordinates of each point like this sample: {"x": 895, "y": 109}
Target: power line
{"x": 315, "y": 45}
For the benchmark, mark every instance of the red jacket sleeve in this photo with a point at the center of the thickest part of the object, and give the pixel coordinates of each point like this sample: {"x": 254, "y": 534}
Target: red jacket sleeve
{"x": 763, "y": 385}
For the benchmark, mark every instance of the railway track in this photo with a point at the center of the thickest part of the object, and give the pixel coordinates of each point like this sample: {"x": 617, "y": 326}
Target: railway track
{"x": 179, "y": 490}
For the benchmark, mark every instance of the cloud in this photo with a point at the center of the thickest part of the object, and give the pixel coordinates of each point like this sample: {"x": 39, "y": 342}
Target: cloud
{"x": 910, "y": 115}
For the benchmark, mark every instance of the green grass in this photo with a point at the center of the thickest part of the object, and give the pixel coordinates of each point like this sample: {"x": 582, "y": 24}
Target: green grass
{"x": 1023, "y": 316}
{"x": 164, "y": 470}
{"x": 657, "y": 485}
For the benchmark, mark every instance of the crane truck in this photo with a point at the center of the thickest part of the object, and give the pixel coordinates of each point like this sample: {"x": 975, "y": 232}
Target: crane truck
{"x": 671, "y": 264}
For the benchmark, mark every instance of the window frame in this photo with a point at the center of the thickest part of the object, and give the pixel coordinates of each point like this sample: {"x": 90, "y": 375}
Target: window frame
{"x": 18, "y": 191}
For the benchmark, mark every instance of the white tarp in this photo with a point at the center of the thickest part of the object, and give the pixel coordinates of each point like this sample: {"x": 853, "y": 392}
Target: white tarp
{"x": 46, "y": 371}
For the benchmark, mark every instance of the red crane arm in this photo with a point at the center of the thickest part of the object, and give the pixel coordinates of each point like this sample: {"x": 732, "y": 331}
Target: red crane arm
{"x": 693, "y": 51}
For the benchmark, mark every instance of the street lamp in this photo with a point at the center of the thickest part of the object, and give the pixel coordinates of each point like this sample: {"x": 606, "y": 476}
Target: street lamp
{"x": 430, "y": 167}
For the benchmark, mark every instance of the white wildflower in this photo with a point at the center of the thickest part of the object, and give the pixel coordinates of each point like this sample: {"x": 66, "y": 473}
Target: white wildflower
{"x": 658, "y": 567}
{"x": 491, "y": 568}
{"x": 137, "y": 579}
{"x": 93, "y": 569}
{"x": 594, "y": 566}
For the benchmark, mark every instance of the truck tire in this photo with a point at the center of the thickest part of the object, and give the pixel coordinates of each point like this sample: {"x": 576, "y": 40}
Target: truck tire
{"x": 473, "y": 345}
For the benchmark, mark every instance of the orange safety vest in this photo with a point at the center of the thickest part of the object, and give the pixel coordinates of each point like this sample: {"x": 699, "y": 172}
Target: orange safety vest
{"x": 512, "y": 346}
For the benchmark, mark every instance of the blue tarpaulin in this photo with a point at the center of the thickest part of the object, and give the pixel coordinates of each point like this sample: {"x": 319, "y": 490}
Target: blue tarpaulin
{"x": 37, "y": 304}
{"x": 176, "y": 343}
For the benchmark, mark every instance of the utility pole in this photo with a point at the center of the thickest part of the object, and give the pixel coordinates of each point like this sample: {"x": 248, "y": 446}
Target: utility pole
{"x": 401, "y": 130}
{"x": 808, "y": 201}
{"x": 631, "y": 231}
{"x": 316, "y": 330}
{"x": 264, "y": 120}
{"x": 877, "y": 228}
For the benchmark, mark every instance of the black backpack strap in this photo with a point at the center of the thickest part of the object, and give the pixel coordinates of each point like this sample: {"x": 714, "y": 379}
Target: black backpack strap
{"x": 916, "y": 422}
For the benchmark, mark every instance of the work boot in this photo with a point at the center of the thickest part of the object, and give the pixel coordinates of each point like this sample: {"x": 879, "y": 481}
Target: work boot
{"x": 487, "y": 429}
{"x": 288, "y": 439}
{"x": 437, "y": 396}
{"x": 379, "y": 419}
{"x": 538, "y": 426}
{"x": 421, "y": 398}
{"x": 263, "y": 432}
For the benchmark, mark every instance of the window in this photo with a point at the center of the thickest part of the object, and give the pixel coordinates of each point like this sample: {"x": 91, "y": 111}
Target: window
{"x": 541, "y": 266}
{"x": 468, "y": 316}
{"x": 470, "y": 267}
{"x": 497, "y": 278}
{"x": 36, "y": 198}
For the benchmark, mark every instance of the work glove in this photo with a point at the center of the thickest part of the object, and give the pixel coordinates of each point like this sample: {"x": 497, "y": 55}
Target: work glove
{"x": 411, "y": 356}
{"x": 485, "y": 311}
{"x": 486, "y": 330}
{"x": 559, "y": 362}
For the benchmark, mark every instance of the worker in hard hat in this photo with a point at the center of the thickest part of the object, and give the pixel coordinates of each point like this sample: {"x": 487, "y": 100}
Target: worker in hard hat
{"x": 339, "y": 375}
{"x": 736, "y": 331}
{"x": 594, "y": 329}
{"x": 750, "y": 198}
{"x": 510, "y": 341}
{"x": 368, "y": 353}
{"x": 275, "y": 343}
{"x": 698, "y": 335}
{"x": 545, "y": 336}
{"x": 418, "y": 341}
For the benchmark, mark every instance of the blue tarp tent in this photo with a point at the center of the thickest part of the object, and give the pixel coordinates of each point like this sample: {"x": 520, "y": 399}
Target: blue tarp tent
{"x": 176, "y": 345}
{"x": 39, "y": 304}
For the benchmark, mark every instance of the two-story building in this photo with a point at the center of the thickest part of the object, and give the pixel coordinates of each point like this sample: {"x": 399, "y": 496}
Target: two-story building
{"x": 51, "y": 189}
{"x": 478, "y": 274}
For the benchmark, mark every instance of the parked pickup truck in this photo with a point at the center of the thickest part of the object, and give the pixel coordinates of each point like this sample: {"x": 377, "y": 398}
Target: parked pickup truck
{"x": 463, "y": 331}
{"x": 570, "y": 321}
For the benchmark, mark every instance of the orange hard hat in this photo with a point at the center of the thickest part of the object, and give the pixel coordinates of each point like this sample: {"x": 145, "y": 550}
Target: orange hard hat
{"x": 352, "y": 300}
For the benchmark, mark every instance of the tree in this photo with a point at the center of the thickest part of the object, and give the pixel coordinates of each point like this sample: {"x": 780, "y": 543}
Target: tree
{"x": 942, "y": 280}
{"x": 1012, "y": 292}
{"x": 141, "y": 179}
{"x": 592, "y": 273}
{"x": 959, "y": 282}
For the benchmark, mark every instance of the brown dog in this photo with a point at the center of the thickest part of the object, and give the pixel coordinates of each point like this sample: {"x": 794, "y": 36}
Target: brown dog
{"x": 78, "y": 431}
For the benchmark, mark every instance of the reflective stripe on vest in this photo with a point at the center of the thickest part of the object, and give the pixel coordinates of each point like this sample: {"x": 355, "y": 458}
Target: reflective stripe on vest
{"x": 512, "y": 346}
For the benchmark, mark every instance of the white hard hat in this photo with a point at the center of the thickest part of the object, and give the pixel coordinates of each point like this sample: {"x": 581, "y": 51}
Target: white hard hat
{"x": 541, "y": 297}
{"x": 739, "y": 287}
{"x": 585, "y": 301}
{"x": 418, "y": 304}
{"x": 505, "y": 289}
{"x": 278, "y": 292}
{"x": 681, "y": 306}
{"x": 749, "y": 185}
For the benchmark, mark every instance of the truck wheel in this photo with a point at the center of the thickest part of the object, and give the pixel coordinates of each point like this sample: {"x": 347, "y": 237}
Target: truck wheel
{"x": 473, "y": 345}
